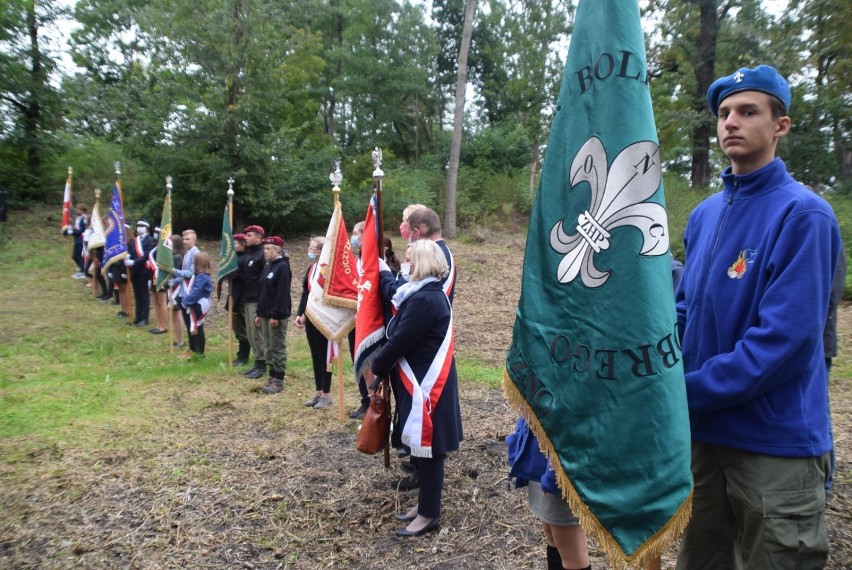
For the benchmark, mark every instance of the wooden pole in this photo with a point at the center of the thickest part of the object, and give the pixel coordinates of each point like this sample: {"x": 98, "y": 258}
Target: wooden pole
{"x": 169, "y": 301}
{"x": 341, "y": 412}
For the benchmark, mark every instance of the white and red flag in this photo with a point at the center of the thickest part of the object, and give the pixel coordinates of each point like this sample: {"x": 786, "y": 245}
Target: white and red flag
{"x": 370, "y": 321}
{"x": 333, "y": 286}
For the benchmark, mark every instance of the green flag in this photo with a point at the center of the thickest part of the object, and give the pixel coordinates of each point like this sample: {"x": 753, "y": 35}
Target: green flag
{"x": 595, "y": 364}
{"x": 165, "y": 253}
{"x": 227, "y": 254}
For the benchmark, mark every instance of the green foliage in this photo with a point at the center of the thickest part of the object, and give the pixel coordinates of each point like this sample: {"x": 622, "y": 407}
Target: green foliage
{"x": 681, "y": 199}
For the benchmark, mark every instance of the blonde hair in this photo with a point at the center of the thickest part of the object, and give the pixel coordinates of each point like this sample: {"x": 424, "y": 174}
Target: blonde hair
{"x": 319, "y": 240}
{"x": 409, "y": 210}
{"x": 203, "y": 264}
{"x": 186, "y": 233}
{"x": 428, "y": 260}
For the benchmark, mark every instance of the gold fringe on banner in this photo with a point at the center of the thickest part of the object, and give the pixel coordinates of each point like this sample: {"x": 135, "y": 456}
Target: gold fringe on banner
{"x": 651, "y": 549}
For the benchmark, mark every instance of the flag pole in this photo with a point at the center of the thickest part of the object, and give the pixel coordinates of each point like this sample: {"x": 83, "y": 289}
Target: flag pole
{"x": 230, "y": 282}
{"x": 129, "y": 287}
{"x": 336, "y": 179}
{"x": 378, "y": 174}
{"x": 70, "y": 242}
{"x": 170, "y": 304}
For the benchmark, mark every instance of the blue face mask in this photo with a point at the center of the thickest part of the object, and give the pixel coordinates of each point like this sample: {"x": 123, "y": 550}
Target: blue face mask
{"x": 356, "y": 242}
{"x": 312, "y": 256}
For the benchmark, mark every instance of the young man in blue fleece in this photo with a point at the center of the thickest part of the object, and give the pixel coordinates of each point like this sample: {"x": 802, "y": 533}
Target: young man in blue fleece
{"x": 760, "y": 258}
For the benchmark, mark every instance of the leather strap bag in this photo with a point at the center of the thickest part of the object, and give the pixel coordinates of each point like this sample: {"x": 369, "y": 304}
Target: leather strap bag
{"x": 374, "y": 435}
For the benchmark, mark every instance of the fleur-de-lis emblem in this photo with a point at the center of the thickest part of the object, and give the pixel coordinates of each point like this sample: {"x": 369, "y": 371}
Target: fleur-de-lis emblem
{"x": 738, "y": 76}
{"x": 617, "y": 199}
{"x": 365, "y": 286}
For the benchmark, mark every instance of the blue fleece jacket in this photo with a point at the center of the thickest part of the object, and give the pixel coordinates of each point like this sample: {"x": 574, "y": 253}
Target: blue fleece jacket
{"x": 760, "y": 257}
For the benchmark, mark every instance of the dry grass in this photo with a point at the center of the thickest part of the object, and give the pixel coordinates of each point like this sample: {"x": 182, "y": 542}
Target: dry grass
{"x": 207, "y": 473}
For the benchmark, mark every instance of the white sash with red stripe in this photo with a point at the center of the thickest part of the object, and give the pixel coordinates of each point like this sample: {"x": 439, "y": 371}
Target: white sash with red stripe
{"x": 204, "y": 303}
{"x": 425, "y": 393}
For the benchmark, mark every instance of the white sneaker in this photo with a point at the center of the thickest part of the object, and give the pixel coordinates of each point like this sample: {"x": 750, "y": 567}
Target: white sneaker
{"x": 79, "y": 275}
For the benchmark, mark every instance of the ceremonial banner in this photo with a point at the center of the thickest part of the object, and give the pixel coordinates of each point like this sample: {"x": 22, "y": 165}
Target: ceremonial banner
{"x": 227, "y": 254}
{"x": 333, "y": 290}
{"x": 595, "y": 364}
{"x": 370, "y": 321}
{"x": 66, "y": 202}
{"x": 165, "y": 253}
{"x": 98, "y": 235}
{"x": 115, "y": 248}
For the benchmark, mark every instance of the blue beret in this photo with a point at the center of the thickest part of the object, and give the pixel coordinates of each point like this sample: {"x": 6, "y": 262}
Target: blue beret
{"x": 762, "y": 78}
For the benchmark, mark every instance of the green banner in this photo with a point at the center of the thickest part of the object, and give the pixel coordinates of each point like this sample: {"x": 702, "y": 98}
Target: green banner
{"x": 595, "y": 364}
{"x": 165, "y": 253}
{"x": 227, "y": 254}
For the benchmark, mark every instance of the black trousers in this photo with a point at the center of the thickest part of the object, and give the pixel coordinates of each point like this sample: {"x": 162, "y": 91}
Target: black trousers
{"x": 319, "y": 350}
{"x": 431, "y": 472}
{"x": 77, "y": 255}
{"x": 199, "y": 339}
{"x": 185, "y": 316}
{"x": 141, "y": 294}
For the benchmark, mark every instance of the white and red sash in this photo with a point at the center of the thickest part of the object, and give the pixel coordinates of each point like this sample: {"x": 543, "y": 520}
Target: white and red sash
{"x": 451, "y": 277}
{"x": 204, "y": 303}
{"x": 425, "y": 393}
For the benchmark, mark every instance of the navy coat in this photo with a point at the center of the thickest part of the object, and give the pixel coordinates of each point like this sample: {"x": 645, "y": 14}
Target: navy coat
{"x": 416, "y": 332}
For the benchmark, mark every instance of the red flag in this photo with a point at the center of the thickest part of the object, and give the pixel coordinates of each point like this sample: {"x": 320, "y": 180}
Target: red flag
{"x": 66, "y": 203}
{"x": 341, "y": 287}
{"x": 369, "y": 321}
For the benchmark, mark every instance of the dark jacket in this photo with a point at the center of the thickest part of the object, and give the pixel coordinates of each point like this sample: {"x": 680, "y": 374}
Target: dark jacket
{"x": 274, "y": 296}
{"x": 139, "y": 267}
{"x": 238, "y": 282}
{"x": 251, "y": 267}
{"x": 303, "y": 300}
{"x": 416, "y": 332}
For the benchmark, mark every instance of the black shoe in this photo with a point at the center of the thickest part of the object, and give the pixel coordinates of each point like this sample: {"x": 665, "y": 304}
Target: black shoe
{"x": 359, "y": 413}
{"x": 403, "y": 517}
{"x": 403, "y": 452}
{"x": 433, "y": 525}
{"x": 407, "y": 466}
{"x": 255, "y": 373}
{"x": 141, "y": 324}
{"x": 406, "y": 483}
{"x": 240, "y": 361}
{"x": 121, "y": 314}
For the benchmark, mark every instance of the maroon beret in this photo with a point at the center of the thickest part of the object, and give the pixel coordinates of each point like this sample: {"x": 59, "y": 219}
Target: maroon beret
{"x": 239, "y": 237}
{"x": 274, "y": 240}
{"x": 255, "y": 229}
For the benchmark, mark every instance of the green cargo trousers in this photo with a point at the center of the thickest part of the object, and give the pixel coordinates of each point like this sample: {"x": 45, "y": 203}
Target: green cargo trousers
{"x": 755, "y": 512}
{"x": 274, "y": 344}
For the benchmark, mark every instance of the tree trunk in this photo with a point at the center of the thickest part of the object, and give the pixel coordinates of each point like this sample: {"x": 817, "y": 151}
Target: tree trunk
{"x": 32, "y": 109}
{"x": 705, "y": 69}
{"x": 458, "y": 123}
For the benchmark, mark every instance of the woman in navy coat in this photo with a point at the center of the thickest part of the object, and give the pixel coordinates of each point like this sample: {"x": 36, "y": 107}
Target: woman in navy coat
{"x": 419, "y": 353}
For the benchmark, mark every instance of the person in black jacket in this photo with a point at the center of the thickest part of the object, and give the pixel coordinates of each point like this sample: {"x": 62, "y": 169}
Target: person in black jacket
{"x": 237, "y": 285}
{"x": 140, "y": 273}
{"x": 250, "y": 269}
{"x": 77, "y": 229}
{"x": 273, "y": 312}
{"x": 419, "y": 355}
{"x": 316, "y": 340}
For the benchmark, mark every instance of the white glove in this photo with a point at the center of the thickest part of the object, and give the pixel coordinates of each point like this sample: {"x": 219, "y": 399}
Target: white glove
{"x": 383, "y": 266}
{"x": 69, "y": 232}
{"x": 128, "y": 263}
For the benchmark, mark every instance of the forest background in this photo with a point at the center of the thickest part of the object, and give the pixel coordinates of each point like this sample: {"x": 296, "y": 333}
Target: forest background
{"x": 272, "y": 93}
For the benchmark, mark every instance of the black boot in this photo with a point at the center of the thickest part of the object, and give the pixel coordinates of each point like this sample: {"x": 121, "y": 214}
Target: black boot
{"x": 242, "y": 353}
{"x": 554, "y": 561}
{"x": 258, "y": 371}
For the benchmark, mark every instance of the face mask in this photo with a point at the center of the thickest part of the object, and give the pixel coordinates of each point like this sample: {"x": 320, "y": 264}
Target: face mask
{"x": 356, "y": 242}
{"x": 403, "y": 230}
{"x": 312, "y": 256}
{"x": 405, "y": 269}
